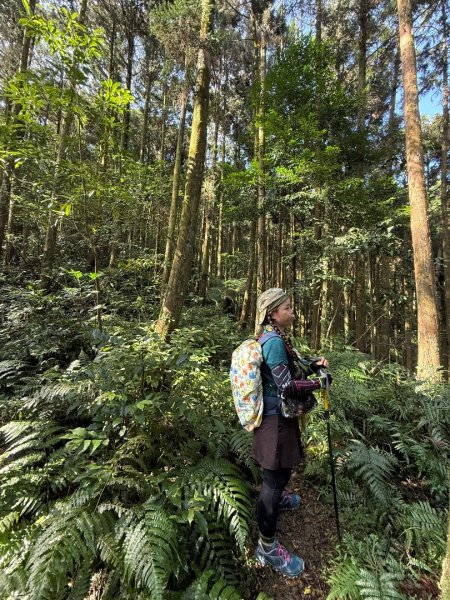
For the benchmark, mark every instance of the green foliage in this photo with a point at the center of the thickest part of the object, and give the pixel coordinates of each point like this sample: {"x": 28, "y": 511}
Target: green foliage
{"x": 206, "y": 588}
{"x": 125, "y": 459}
{"x": 390, "y": 445}
{"x": 366, "y": 569}
{"x": 131, "y": 446}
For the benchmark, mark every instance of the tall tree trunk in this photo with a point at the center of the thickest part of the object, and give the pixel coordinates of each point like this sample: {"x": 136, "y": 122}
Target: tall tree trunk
{"x": 428, "y": 361}
{"x": 360, "y": 266}
{"x": 444, "y": 197}
{"x": 219, "y": 271}
{"x": 360, "y": 303}
{"x": 319, "y": 18}
{"x": 384, "y": 292}
{"x": 170, "y": 241}
{"x": 293, "y": 249}
{"x": 111, "y": 76}
{"x": 182, "y": 265}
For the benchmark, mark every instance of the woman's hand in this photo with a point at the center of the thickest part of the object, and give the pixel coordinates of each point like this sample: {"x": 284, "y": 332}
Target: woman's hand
{"x": 321, "y": 362}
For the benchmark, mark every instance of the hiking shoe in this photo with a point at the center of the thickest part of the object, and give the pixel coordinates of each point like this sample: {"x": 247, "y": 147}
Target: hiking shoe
{"x": 280, "y": 559}
{"x": 289, "y": 501}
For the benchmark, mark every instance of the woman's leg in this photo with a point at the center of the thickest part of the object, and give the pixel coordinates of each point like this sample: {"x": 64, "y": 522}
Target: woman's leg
{"x": 267, "y": 508}
{"x": 269, "y": 551}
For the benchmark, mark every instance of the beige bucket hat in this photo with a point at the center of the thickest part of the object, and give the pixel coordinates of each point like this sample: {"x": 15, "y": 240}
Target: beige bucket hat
{"x": 267, "y": 301}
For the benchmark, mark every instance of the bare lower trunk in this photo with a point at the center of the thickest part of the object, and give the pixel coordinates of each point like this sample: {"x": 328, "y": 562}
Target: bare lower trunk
{"x": 360, "y": 303}
{"x": 428, "y": 361}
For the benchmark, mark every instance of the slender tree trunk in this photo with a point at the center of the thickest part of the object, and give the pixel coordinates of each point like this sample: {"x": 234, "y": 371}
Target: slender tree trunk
{"x": 261, "y": 273}
{"x": 250, "y": 275}
{"x": 128, "y": 82}
{"x": 296, "y": 325}
{"x": 9, "y": 245}
{"x": 428, "y": 360}
{"x": 335, "y": 326}
{"x": 219, "y": 270}
{"x": 384, "y": 259}
{"x": 145, "y": 111}
{"x": 182, "y": 265}
{"x": 319, "y": 18}
{"x": 170, "y": 241}
{"x": 360, "y": 266}
{"x": 111, "y": 76}
{"x": 210, "y": 198}
{"x": 385, "y": 307}
{"x": 162, "y": 150}
{"x": 52, "y": 223}
{"x": 444, "y": 197}
{"x": 279, "y": 252}
{"x": 5, "y": 195}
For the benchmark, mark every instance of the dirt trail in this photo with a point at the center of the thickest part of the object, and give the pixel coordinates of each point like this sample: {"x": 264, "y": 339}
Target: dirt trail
{"x": 310, "y": 532}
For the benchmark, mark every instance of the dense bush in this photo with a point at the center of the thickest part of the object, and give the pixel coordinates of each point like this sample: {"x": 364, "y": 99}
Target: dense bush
{"x": 392, "y": 446}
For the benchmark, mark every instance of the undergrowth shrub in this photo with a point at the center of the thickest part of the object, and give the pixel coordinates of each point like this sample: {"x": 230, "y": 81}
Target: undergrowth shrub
{"x": 124, "y": 466}
{"x": 391, "y": 441}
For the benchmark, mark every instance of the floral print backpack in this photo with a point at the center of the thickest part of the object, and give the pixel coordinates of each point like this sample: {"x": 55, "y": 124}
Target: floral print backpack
{"x": 246, "y": 382}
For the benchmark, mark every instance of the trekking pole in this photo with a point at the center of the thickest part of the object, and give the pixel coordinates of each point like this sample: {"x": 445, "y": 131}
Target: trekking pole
{"x": 326, "y": 405}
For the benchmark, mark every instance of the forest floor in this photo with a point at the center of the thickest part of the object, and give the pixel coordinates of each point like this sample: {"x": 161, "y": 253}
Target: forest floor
{"x": 309, "y": 532}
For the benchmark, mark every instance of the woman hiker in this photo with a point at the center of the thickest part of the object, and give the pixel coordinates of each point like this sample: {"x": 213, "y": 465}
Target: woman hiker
{"x": 276, "y": 443}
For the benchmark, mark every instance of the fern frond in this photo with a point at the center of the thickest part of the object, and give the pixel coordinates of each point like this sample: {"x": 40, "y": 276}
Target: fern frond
{"x": 82, "y": 582}
{"x": 150, "y": 548}
{"x": 14, "y": 430}
{"x": 216, "y": 551}
{"x": 200, "y": 589}
{"x": 66, "y": 543}
{"x": 374, "y": 467}
{"x": 343, "y": 581}
{"x": 379, "y": 586}
{"x": 240, "y": 444}
{"x": 222, "y": 482}
{"x": 12, "y": 369}
{"x": 47, "y": 395}
{"x": 8, "y": 521}
{"x": 424, "y": 525}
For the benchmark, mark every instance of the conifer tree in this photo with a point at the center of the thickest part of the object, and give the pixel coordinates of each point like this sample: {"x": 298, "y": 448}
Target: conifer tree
{"x": 428, "y": 362}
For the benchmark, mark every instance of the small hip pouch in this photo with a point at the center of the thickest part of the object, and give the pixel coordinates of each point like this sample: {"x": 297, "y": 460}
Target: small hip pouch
{"x": 294, "y": 407}
{"x": 272, "y": 406}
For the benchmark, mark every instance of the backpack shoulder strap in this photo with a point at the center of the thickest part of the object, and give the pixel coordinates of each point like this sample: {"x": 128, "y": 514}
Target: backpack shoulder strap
{"x": 267, "y": 336}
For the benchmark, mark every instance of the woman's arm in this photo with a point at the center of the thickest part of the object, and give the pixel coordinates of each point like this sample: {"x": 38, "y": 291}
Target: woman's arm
{"x": 293, "y": 388}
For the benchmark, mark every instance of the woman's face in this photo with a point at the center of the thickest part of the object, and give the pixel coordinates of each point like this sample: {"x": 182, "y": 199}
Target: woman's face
{"x": 283, "y": 315}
